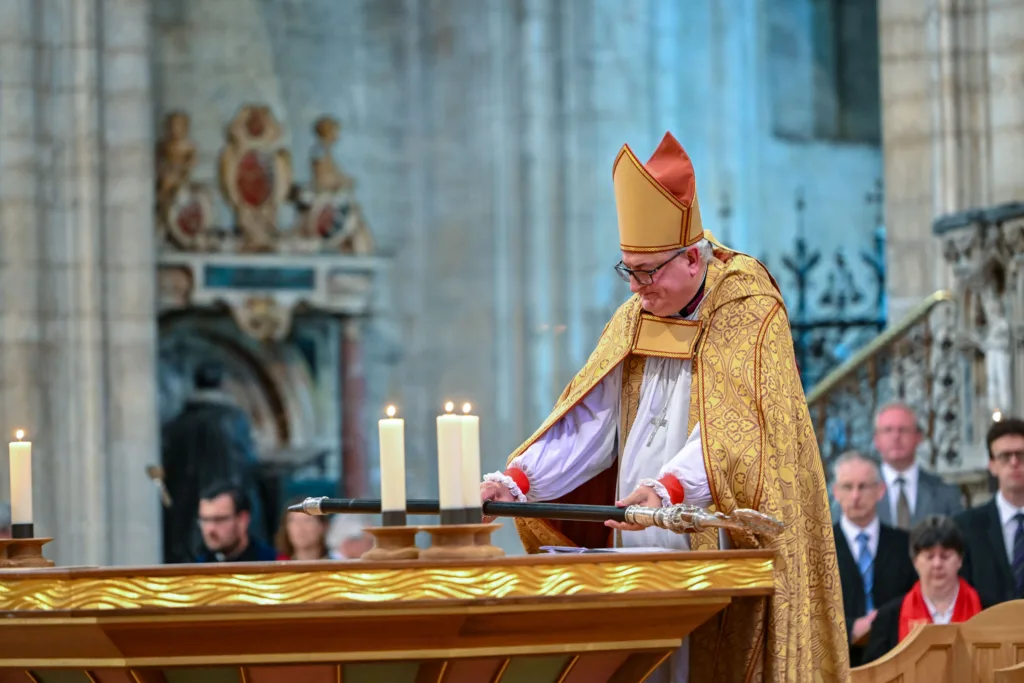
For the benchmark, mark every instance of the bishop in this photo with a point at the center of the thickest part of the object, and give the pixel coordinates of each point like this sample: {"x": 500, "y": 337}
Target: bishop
{"x": 692, "y": 394}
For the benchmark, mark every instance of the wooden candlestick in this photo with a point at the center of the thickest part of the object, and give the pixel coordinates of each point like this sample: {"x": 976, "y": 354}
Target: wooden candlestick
{"x": 392, "y": 543}
{"x": 23, "y": 553}
{"x": 461, "y": 542}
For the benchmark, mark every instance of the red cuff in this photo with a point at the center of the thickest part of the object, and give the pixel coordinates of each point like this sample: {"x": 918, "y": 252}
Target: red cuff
{"x": 520, "y": 478}
{"x": 674, "y": 488}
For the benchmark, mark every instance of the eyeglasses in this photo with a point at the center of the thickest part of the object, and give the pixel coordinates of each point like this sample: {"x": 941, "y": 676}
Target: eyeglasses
{"x": 1007, "y": 456}
{"x": 642, "y": 277}
{"x": 848, "y": 487}
{"x": 211, "y": 521}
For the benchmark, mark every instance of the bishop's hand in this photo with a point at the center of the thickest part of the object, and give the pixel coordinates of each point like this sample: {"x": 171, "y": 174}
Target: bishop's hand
{"x": 492, "y": 490}
{"x": 644, "y": 496}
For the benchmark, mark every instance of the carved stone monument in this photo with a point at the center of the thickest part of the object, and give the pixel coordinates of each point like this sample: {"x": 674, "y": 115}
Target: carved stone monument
{"x": 984, "y": 249}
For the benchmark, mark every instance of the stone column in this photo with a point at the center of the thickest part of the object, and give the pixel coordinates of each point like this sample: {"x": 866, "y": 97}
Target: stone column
{"x": 79, "y": 315}
{"x": 129, "y": 271}
{"x": 952, "y": 105}
{"x": 72, "y": 491}
{"x": 20, "y": 238}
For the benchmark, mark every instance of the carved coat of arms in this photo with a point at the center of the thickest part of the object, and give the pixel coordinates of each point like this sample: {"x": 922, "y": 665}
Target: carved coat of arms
{"x": 255, "y": 175}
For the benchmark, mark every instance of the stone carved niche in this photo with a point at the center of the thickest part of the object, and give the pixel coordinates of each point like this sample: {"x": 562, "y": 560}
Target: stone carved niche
{"x": 985, "y": 250}
{"x": 256, "y": 179}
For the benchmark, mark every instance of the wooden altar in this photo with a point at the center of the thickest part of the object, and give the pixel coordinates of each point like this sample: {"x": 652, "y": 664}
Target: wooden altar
{"x": 571, "y": 619}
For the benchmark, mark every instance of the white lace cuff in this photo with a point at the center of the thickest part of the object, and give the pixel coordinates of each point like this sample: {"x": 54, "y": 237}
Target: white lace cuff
{"x": 509, "y": 483}
{"x": 659, "y": 488}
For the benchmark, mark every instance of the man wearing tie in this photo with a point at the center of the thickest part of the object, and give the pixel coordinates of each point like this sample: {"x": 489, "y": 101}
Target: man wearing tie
{"x": 911, "y": 493}
{"x": 994, "y": 532}
{"x": 874, "y": 558}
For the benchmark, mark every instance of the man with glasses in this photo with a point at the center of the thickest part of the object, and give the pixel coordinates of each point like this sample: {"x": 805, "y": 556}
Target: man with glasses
{"x": 874, "y": 558}
{"x": 692, "y": 394}
{"x": 994, "y": 562}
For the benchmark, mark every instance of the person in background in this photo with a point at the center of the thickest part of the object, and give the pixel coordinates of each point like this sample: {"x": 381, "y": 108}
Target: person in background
{"x": 301, "y": 536}
{"x": 5, "y": 520}
{"x": 995, "y": 531}
{"x": 913, "y": 493}
{"x": 224, "y": 516}
{"x": 347, "y": 537}
{"x": 940, "y": 595}
{"x": 874, "y": 562}
{"x": 209, "y": 442}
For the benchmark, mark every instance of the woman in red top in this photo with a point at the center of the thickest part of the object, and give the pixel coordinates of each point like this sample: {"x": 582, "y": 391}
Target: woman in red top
{"x": 940, "y": 596}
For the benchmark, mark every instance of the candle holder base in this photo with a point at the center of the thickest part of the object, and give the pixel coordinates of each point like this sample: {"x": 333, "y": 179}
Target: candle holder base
{"x": 461, "y": 542}
{"x": 23, "y": 553}
{"x": 392, "y": 543}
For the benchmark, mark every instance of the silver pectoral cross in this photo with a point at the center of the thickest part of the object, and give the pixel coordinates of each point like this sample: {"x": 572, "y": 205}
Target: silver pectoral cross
{"x": 657, "y": 422}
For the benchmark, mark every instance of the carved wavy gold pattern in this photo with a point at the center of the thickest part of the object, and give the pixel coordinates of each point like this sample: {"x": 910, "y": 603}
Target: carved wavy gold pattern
{"x": 387, "y": 585}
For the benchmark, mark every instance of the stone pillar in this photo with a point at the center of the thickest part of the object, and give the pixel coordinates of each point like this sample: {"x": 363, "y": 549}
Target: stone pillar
{"x": 20, "y": 380}
{"x": 72, "y": 490}
{"x": 78, "y": 334}
{"x": 952, "y": 105}
{"x": 354, "y": 466}
{"x": 129, "y": 294}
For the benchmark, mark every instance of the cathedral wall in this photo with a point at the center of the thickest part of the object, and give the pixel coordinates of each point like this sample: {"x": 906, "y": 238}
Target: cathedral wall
{"x": 481, "y": 137}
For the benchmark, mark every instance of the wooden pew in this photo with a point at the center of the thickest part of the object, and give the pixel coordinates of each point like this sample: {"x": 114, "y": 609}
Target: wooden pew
{"x": 987, "y": 649}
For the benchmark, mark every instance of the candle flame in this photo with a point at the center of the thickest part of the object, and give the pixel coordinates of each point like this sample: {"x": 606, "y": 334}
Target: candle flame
{"x": 997, "y": 416}
{"x": 466, "y": 408}
{"x": 391, "y": 410}
{"x": 449, "y": 407}
{"x": 20, "y": 434}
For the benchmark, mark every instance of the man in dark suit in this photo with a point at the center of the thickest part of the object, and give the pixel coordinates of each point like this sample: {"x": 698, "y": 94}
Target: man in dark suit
{"x": 911, "y": 492}
{"x": 209, "y": 442}
{"x": 994, "y": 562}
{"x": 874, "y": 559}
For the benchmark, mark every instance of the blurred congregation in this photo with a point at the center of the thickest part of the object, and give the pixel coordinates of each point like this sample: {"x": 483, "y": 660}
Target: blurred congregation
{"x": 908, "y": 550}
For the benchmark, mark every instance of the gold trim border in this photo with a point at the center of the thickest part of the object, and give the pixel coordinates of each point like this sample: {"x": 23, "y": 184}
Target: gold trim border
{"x": 249, "y": 660}
{"x": 375, "y": 586}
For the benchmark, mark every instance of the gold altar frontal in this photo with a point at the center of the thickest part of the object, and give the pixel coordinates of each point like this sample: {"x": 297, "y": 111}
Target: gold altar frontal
{"x": 543, "y": 618}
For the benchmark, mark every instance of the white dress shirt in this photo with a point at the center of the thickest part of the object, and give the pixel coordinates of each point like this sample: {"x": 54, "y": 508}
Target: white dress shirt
{"x": 851, "y": 531}
{"x": 910, "y": 478}
{"x": 946, "y": 616}
{"x": 1007, "y": 512}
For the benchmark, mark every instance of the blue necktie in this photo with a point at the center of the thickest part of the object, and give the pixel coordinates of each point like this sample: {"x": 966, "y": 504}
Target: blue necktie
{"x": 864, "y": 563}
{"x": 1018, "y": 554}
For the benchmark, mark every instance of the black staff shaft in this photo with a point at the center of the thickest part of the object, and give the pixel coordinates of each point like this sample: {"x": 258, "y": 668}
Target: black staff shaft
{"x": 576, "y": 513}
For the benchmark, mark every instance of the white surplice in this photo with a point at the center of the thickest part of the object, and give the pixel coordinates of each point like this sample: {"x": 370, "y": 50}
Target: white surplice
{"x": 582, "y": 444}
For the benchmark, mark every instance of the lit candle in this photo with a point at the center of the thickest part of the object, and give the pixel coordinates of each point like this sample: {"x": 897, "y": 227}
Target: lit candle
{"x": 471, "y": 464}
{"x": 21, "y": 479}
{"x": 392, "y": 469}
{"x": 449, "y": 459}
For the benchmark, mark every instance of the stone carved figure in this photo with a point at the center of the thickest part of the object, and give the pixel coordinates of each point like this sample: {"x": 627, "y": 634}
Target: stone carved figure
{"x": 328, "y": 214}
{"x": 994, "y": 341}
{"x": 184, "y": 208}
{"x": 997, "y": 346}
{"x": 327, "y": 177}
{"x": 176, "y": 157}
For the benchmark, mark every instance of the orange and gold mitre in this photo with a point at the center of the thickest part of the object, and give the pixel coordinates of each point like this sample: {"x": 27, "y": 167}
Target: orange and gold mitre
{"x": 657, "y": 201}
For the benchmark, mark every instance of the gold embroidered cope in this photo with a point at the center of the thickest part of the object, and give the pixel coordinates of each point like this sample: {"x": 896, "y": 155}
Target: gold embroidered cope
{"x": 760, "y": 452}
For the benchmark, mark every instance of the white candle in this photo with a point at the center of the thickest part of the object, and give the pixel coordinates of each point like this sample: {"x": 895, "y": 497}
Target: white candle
{"x": 470, "y": 459}
{"x": 392, "y": 462}
{"x": 21, "y": 480}
{"x": 449, "y": 458}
